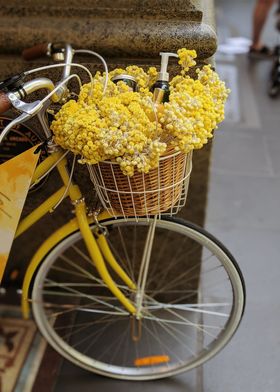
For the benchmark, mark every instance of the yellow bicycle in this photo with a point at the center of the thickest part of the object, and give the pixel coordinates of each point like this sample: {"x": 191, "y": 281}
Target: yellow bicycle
{"x": 133, "y": 298}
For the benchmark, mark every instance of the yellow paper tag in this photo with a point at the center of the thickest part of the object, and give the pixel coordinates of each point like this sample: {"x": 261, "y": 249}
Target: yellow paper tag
{"x": 15, "y": 178}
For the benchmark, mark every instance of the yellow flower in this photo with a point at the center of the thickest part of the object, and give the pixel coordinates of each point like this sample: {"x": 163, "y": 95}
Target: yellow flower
{"x": 120, "y": 125}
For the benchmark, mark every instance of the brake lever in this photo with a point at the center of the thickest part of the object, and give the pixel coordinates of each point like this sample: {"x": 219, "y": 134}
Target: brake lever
{"x": 30, "y": 109}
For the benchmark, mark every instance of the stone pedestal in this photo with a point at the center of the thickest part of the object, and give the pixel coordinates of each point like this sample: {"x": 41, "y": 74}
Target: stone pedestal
{"x": 125, "y": 32}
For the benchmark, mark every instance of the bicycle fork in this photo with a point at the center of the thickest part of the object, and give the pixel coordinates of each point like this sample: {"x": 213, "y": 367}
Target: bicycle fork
{"x": 95, "y": 253}
{"x": 99, "y": 250}
{"x": 95, "y": 250}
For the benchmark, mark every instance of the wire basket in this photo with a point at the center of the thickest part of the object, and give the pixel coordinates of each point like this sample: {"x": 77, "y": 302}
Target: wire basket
{"x": 160, "y": 191}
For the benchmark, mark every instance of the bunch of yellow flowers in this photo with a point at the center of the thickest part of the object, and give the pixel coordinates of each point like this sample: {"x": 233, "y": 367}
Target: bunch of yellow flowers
{"x": 117, "y": 125}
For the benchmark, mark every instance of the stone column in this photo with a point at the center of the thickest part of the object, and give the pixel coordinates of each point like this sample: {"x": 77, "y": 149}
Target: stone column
{"x": 124, "y": 32}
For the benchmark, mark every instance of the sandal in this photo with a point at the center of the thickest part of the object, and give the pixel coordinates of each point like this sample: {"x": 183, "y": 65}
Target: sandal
{"x": 263, "y": 52}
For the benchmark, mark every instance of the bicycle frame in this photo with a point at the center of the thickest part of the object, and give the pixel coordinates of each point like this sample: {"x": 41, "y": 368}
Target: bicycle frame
{"x": 96, "y": 242}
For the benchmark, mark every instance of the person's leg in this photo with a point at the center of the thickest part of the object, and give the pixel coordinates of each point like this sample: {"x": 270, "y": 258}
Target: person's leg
{"x": 261, "y": 11}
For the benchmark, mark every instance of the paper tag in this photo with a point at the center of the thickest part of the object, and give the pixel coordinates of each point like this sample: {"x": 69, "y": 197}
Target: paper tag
{"x": 15, "y": 178}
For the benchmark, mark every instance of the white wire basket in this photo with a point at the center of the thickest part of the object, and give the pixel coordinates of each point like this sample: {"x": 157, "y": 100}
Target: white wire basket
{"x": 161, "y": 191}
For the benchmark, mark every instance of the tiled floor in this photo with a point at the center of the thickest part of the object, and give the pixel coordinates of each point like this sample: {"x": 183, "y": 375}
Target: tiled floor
{"x": 243, "y": 212}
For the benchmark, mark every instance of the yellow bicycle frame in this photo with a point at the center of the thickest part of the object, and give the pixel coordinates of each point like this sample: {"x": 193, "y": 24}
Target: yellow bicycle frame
{"x": 96, "y": 243}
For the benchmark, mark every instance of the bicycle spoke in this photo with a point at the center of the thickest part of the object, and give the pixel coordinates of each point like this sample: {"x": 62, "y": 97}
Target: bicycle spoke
{"x": 162, "y": 344}
{"x": 154, "y": 326}
{"x": 175, "y": 332}
{"x": 104, "y": 319}
{"x": 134, "y": 253}
{"x": 127, "y": 257}
{"x": 158, "y": 257}
{"x": 158, "y": 306}
{"x": 96, "y": 339}
{"x": 83, "y": 255}
{"x": 89, "y": 336}
{"x": 117, "y": 347}
{"x": 108, "y": 349}
{"x": 98, "y": 335}
{"x": 128, "y": 265}
{"x": 75, "y": 284}
{"x": 67, "y": 271}
{"x": 77, "y": 325}
{"x": 69, "y": 308}
{"x": 178, "y": 322}
{"x": 161, "y": 276}
{"x": 187, "y": 321}
{"x": 125, "y": 348}
{"x": 81, "y": 269}
{"x": 179, "y": 279}
{"x": 81, "y": 328}
{"x": 184, "y": 318}
{"x": 186, "y": 308}
{"x": 70, "y": 294}
{"x": 91, "y": 297}
{"x": 174, "y": 336}
{"x": 185, "y": 255}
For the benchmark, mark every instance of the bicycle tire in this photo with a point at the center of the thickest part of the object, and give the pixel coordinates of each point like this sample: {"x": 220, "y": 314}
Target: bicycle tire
{"x": 274, "y": 83}
{"x": 88, "y": 341}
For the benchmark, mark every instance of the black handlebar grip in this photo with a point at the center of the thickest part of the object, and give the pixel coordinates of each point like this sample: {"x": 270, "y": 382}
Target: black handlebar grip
{"x": 35, "y": 52}
{"x": 5, "y": 104}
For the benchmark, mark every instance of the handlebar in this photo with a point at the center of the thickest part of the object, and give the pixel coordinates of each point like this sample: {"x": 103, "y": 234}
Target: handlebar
{"x": 36, "y": 51}
{"x": 13, "y": 89}
{"x": 5, "y": 103}
{"x": 59, "y": 51}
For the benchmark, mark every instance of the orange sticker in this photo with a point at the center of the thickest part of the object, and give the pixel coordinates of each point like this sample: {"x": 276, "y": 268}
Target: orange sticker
{"x": 153, "y": 360}
{"x": 15, "y": 178}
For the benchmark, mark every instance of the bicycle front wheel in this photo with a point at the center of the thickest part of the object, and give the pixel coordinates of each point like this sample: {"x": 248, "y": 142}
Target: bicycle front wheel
{"x": 193, "y": 302}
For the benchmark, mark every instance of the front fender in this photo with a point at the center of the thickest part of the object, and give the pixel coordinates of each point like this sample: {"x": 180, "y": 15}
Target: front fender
{"x": 39, "y": 256}
{"x": 42, "y": 252}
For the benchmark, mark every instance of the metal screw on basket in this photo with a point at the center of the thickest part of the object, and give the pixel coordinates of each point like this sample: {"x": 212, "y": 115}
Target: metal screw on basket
{"x": 127, "y": 79}
{"x": 100, "y": 228}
